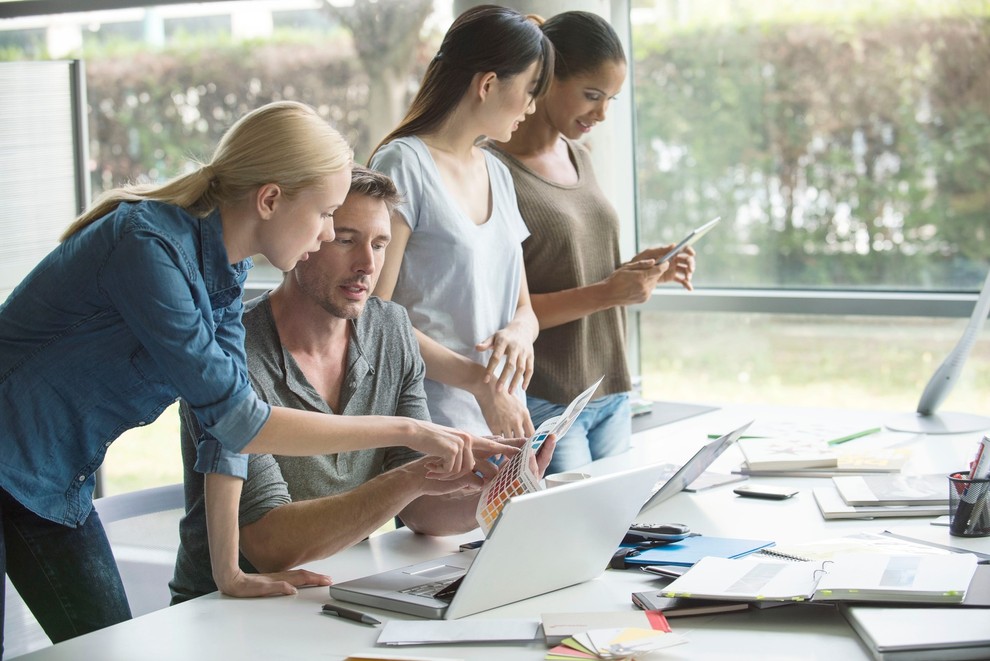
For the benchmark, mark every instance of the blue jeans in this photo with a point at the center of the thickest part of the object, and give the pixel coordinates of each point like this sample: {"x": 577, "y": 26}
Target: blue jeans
{"x": 66, "y": 576}
{"x": 603, "y": 429}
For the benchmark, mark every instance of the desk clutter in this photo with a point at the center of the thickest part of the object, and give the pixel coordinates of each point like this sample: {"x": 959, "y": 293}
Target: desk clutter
{"x": 815, "y": 449}
{"x": 879, "y": 581}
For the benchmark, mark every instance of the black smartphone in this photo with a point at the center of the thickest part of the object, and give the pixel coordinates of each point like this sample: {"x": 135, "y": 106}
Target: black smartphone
{"x": 763, "y": 491}
{"x": 657, "y": 533}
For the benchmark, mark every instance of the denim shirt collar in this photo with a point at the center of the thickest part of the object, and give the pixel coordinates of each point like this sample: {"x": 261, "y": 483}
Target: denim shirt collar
{"x": 218, "y": 273}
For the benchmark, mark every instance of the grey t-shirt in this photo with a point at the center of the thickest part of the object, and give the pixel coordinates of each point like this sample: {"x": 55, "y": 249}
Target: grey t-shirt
{"x": 459, "y": 281}
{"x": 384, "y": 377}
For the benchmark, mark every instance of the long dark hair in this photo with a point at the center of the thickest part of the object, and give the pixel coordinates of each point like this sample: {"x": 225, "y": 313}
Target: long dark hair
{"x": 582, "y": 42}
{"x": 483, "y": 39}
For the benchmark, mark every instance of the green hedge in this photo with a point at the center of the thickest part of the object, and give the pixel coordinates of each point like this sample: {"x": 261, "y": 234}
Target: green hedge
{"x": 849, "y": 154}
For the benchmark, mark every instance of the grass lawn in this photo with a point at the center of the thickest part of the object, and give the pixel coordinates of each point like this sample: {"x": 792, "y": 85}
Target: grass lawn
{"x": 853, "y": 362}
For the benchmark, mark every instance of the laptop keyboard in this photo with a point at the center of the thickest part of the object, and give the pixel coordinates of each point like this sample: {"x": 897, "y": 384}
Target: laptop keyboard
{"x": 436, "y": 589}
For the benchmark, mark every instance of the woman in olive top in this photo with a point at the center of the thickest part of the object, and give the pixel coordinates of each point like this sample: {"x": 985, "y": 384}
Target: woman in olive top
{"x": 577, "y": 283}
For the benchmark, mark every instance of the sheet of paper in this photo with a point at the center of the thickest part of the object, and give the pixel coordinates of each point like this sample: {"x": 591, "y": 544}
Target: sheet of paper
{"x": 427, "y": 632}
{"x": 746, "y": 579}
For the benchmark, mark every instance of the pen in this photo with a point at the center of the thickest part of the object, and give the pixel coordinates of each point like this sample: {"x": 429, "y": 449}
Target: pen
{"x": 348, "y": 614}
{"x": 859, "y": 434}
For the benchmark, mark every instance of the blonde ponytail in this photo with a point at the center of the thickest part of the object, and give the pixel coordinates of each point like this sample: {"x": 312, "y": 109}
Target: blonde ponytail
{"x": 286, "y": 143}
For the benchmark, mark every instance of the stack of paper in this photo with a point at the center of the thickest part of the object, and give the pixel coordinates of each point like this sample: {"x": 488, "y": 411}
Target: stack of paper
{"x": 814, "y": 449}
{"x": 883, "y": 490}
{"x": 850, "y": 461}
{"x": 787, "y": 454}
{"x": 831, "y": 505}
{"x": 875, "y": 496}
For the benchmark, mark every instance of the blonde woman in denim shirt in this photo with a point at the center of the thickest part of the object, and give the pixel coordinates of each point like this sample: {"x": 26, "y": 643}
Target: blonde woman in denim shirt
{"x": 140, "y": 305}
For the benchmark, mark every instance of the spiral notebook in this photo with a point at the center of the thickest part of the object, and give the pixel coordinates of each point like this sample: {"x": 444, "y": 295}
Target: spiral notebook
{"x": 854, "y": 577}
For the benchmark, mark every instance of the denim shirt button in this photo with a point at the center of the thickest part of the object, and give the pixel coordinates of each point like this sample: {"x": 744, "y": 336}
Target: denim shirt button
{"x": 107, "y": 444}
{"x": 81, "y": 478}
{"x": 141, "y": 423}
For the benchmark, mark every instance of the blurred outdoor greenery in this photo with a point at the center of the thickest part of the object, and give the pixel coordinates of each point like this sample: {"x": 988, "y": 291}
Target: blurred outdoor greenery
{"x": 846, "y": 147}
{"x": 865, "y": 363}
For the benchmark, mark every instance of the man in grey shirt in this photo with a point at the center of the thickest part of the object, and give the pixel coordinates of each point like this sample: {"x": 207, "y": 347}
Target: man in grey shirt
{"x": 320, "y": 342}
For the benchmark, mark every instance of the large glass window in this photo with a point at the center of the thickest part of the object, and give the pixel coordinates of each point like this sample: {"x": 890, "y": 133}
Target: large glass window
{"x": 844, "y": 144}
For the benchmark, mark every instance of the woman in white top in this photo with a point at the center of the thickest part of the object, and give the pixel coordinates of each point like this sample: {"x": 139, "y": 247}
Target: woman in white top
{"x": 455, "y": 261}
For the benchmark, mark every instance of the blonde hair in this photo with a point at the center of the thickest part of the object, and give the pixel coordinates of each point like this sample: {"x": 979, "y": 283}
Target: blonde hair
{"x": 285, "y": 143}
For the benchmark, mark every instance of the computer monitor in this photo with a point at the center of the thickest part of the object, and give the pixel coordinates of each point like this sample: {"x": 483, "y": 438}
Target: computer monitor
{"x": 926, "y": 420}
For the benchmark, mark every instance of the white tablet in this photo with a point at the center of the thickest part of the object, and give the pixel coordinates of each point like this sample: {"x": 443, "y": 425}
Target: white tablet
{"x": 693, "y": 236}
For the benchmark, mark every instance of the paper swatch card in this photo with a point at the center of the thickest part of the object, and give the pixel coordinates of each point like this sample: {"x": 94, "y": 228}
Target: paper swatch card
{"x": 614, "y": 643}
{"x": 559, "y": 626}
{"x": 516, "y": 476}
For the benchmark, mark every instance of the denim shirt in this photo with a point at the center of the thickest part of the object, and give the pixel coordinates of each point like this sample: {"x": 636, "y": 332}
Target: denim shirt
{"x": 129, "y": 314}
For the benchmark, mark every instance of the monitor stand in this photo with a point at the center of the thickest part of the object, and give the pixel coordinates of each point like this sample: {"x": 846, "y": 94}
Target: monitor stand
{"x": 939, "y": 423}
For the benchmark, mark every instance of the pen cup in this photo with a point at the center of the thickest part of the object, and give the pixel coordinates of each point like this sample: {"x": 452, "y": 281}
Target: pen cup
{"x": 969, "y": 514}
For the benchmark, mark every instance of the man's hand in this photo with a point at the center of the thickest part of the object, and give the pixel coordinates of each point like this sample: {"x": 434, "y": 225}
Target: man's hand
{"x": 240, "y": 584}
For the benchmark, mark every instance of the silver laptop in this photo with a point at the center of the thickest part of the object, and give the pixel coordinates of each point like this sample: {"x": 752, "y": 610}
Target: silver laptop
{"x": 668, "y": 485}
{"x": 542, "y": 541}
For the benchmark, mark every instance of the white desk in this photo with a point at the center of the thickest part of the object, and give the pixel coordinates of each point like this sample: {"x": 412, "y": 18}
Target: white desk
{"x": 291, "y": 627}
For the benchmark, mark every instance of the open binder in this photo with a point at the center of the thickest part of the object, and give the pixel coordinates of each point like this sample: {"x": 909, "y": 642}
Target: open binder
{"x": 861, "y": 577}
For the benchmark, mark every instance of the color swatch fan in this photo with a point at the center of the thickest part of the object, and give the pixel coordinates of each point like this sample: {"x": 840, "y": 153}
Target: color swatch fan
{"x": 516, "y": 476}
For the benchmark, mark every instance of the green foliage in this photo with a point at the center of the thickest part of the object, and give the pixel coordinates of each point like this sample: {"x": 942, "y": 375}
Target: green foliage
{"x": 152, "y": 113}
{"x": 842, "y": 154}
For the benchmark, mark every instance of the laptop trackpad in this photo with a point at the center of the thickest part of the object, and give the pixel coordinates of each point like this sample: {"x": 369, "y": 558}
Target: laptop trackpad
{"x": 437, "y": 572}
